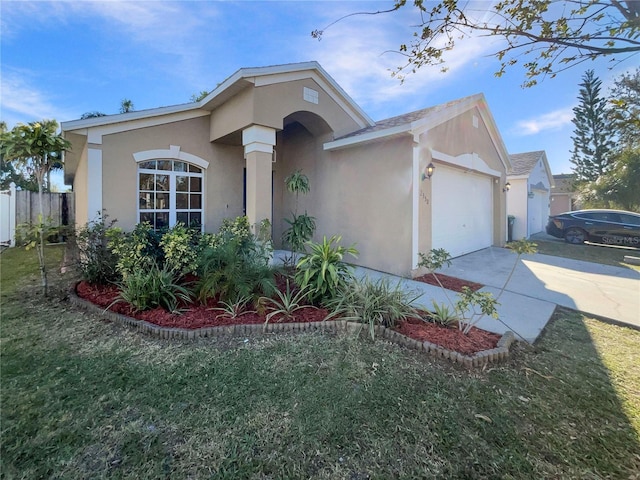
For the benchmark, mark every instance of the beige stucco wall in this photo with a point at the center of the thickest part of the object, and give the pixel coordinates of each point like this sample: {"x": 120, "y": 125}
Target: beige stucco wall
{"x": 361, "y": 193}
{"x": 268, "y": 105}
{"x": 222, "y": 182}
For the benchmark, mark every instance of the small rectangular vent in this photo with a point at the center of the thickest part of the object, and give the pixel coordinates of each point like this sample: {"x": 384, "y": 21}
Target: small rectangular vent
{"x": 475, "y": 121}
{"x": 310, "y": 95}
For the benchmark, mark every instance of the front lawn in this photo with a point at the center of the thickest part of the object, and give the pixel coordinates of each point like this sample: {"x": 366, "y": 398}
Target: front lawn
{"x": 605, "y": 254}
{"x": 82, "y": 398}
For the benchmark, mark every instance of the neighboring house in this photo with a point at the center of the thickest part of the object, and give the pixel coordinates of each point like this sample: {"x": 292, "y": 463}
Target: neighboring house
{"x": 528, "y": 201}
{"x": 563, "y": 196}
{"x": 228, "y": 155}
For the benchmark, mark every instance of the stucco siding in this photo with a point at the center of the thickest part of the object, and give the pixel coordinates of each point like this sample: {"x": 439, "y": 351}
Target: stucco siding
{"x": 366, "y": 193}
{"x": 222, "y": 180}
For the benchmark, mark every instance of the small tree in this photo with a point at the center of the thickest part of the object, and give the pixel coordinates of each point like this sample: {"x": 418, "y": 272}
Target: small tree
{"x": 301, "y": 227}
{"x": 35, "y": 148}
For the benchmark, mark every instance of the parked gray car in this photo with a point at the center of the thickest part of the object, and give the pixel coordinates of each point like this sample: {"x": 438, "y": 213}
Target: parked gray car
{"x": 611, "y": 227}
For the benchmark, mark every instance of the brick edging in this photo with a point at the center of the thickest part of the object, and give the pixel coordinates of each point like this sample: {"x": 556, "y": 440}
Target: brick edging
{"x": 500, "y": 353}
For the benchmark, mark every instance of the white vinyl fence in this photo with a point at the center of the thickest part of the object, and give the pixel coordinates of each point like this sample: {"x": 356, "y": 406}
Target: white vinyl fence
{"x": 22, "y": 206}
{"x": 8, "y": 216}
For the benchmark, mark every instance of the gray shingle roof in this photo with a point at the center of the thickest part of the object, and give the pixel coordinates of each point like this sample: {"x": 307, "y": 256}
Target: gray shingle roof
{"x": 523, "y": 163}
{"x": 406, "y": 118}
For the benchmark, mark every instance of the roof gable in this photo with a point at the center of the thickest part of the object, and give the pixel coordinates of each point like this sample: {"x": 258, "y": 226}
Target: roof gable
{"x": 419, "y": 121}
{"x": 522, "y": 164}
{"x": 241, "y": 79}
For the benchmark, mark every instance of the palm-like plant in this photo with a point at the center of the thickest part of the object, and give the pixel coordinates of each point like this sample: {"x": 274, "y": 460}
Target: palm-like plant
{"x": 373, "y": 303}
{"x": 322, "y": 270}
{"x": 231, "y": 272}
{"x": 285, "y": 303}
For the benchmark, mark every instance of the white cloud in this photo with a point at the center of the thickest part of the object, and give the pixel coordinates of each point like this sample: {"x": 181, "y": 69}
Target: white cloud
{"x": 361, "y": 54}
{"x": 21, "y": 102}
{"x": 554, "y": 120}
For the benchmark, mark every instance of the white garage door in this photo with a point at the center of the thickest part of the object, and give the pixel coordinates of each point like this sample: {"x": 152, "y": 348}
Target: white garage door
{"x": 462, "y": 211}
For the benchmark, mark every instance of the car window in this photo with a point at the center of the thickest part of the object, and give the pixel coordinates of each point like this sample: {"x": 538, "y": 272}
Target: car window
{"x": 601, "y": 216}
{"x": 630, "y": 219}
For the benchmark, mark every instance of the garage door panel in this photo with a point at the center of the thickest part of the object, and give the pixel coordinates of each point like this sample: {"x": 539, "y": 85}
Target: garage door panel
{"x": 462, "y": 211}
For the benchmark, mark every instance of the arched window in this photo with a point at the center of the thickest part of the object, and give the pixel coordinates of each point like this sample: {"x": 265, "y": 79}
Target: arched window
{"x": 170, "y": 188}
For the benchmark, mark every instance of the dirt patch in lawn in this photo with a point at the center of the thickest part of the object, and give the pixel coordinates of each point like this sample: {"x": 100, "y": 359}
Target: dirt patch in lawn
{"x": 450, "y": 283}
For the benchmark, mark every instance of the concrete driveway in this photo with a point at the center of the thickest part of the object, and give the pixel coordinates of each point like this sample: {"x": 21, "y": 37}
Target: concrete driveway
{"x": 603, "y": 290}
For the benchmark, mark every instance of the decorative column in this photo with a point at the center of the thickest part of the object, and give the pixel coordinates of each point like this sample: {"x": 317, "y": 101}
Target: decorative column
{"x": 258, "y": 144}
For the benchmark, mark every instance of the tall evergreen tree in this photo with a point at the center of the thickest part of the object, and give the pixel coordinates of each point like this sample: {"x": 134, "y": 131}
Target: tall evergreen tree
{"x": 593, "y": 133}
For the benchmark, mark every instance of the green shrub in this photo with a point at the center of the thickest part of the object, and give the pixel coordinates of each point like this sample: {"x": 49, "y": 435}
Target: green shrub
{"x": 153, "y": 287}
{"x": 235, "y": 269}
{"x": 181, "y": 248}
{"x": 322, "y": 271}
{"x": 373, "y": 303}
{"x": 138, "y": 250}
{"x": 97, "y": 263}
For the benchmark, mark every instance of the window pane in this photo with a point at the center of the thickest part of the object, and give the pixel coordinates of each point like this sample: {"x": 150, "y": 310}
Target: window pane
{"x": 146, "y": 181}
{"x": 146, "y": 200}
{"x": 196, "y": 201}
{"x": 195, "y": 219}
{"x": 162, "y": 201}
{"x": 182, "y": 201}
{"x": 183, "y": 217}
{"x": 179, "y": 167}
{"x": 196, "y": 184}
{"x": 630, "y": 219}
{"x": 146, "y": 217}
{"x": 162, "y": 220}
{"x": 162, "y": 182}
{"x": 194, "y": 169}
{"x": 182, "y": 183}
{"x": 150, "y": 165}
{"x": 164, "y": 164}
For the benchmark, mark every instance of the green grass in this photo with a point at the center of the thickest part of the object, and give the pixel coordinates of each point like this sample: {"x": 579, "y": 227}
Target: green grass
{"x": 82, "y": 398}
{"x": 604, "y": 254}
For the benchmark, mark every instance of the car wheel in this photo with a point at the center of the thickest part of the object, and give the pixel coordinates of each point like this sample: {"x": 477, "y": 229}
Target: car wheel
{"x": 575, "y": 236}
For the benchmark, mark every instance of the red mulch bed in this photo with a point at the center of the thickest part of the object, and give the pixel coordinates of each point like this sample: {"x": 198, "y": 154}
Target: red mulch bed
{"x": 450, "y": 338}
{"x": 195, "y": 316}
{"x": 450, "y": 283}
{"x": 200, "y": 316}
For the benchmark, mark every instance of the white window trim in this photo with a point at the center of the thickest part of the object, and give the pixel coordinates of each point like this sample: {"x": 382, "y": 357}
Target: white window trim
{"x": 173, "y": 153}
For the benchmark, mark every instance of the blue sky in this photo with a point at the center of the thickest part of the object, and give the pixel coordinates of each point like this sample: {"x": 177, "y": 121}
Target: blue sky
{"x": 62, "y": 59}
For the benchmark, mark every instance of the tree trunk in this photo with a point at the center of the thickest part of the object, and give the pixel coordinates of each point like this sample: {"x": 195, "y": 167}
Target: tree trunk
{"x": 40, "y": 246}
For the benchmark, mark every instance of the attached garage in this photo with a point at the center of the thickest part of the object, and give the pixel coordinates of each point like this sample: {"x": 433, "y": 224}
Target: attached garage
{"x": 462, "y": 210}
{"x": 528, "y": 200}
